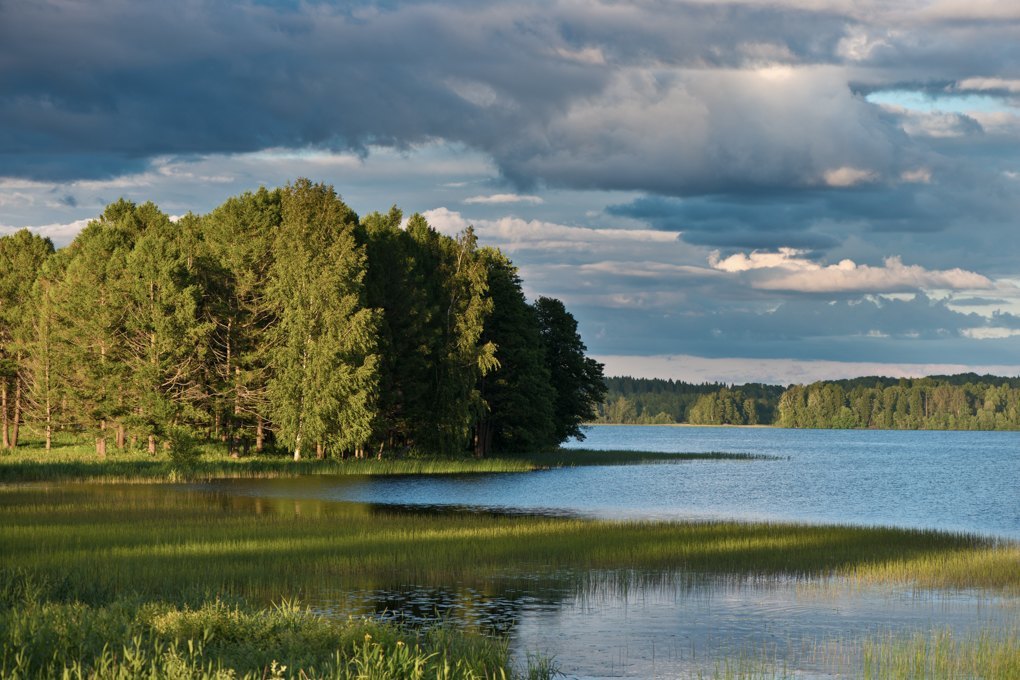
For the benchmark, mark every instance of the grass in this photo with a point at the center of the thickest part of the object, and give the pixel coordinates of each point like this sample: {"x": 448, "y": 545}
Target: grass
{"x": 129, "y": 639}
{"x": 71, "y": 460}
{"x": 991, "y": 654}
{"x": 97, "y": 543}
{"x": 118, "y": 580}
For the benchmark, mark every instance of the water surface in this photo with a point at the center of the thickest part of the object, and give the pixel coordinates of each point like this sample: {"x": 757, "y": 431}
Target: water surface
{"x": 955, "y": 481}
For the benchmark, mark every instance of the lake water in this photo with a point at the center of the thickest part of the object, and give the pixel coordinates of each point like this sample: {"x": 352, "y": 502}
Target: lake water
{"x": 961, "y": 481}
{"x": 956, "y": 481}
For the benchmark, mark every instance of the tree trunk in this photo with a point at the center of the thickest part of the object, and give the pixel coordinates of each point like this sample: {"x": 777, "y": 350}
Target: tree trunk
{"x": 121, "y": 436}
{"x": 483, "y": 439}
{"x": 152, "y": 445}
{"x": 17, "y": 412}
{"x": 3, "y": 409}
{"x": 320, "y": 451}
{"x": 297, "y": 448}
{"x": 260, "y": 436}
{"x": 49, "y": 407}
{"x": 101, "y": 447}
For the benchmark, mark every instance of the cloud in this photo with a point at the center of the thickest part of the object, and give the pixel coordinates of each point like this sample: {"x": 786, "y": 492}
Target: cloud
{"x": 60, "y": 234}
{"x": 741, "y": 370}
{"x": 679, "y": 99}
{"x": 789, "y": 270}
{"x": 1008, "y": 85}
{"x": 503, "y": 198}
{"x": 848, "y": 177}
{"x": 512, "y": 233}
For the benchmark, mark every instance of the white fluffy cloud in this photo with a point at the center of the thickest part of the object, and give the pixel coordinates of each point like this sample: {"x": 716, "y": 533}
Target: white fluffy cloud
{"x": 495, "y": 199}
{"x": 789, "y": 270}
{"x": 514, "y": 233}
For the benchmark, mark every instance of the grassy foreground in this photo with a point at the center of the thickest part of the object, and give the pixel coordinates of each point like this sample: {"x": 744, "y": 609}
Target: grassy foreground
{"x": 130, "y": 580}
{"x": 128, "y": 639}
{"x": 73, "y": 461}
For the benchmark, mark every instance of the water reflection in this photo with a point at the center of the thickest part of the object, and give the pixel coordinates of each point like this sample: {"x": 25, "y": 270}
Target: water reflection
{"x": 600, "y": 624}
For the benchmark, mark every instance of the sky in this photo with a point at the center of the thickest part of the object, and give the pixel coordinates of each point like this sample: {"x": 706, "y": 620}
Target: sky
{"x": 780, "y": 190}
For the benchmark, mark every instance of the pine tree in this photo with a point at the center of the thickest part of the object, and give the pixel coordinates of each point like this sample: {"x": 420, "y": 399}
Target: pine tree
{"x": 164, "y": 337}
{"x": 456, "y": 306}
{"x": 323, "y": 387}
{"x": 577, "y": 379}
{"x": 518, "y": 395}
{"x": 22, "y": 256}
{"x": 239, "y": 237}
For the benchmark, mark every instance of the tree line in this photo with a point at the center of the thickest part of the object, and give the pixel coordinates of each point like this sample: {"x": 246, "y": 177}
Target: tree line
{"x": 657, "y": 401}
{"x": 959, "y": 402}
{"x": 283, "y": 319}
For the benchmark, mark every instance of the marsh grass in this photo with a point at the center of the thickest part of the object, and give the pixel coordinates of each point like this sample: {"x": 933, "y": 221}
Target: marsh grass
{"x": 129, "y": 639}
{"x": 97, "y": 543}
{"x": 990, "y": 654}
{"x": 71, "y": 460}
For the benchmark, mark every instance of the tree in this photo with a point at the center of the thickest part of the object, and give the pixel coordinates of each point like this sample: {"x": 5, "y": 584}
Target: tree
{"x": 454, "y": 308}
{"x": 576, "y": 378}
{"x": 518, "y": 396}
{"x": 239, "y": 237}
{"x": 324, "y": 366}
{"x": 22, "y": 256}
{"x": 89, "y": 305}
{"x": 397, "y": 283}
{"x": 164, "y": 338}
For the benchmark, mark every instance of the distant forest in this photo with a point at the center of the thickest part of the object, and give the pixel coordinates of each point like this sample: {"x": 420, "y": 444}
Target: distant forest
{"x": 283, "y": 320}
{"x": 956, "y": 402}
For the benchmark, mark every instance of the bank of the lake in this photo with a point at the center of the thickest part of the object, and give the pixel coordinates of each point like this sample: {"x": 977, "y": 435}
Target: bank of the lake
{"x": 77, "y": 461}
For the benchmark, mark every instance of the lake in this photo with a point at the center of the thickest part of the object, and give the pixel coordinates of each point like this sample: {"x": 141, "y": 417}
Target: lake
{"x": 960, "y": 481}
{"x": 955, "y": 481}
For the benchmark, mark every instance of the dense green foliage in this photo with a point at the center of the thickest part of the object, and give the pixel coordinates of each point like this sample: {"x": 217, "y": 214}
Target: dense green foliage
{"x": 644, "y": 401}
{"x": 956, "y": 402}
{"x": 281, "y": 318}
{"x": 960, "y": 402}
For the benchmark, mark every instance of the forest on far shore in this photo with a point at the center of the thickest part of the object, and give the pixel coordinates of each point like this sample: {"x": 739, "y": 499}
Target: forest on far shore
{"x": 944, "y": 402}
{"x": 284, "y": 320}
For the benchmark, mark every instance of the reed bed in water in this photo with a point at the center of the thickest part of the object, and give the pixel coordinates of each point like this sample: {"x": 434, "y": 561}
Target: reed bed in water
{"x": 78, "y": 462}
{"x": 97, "y": 543}
{"x": 989, "y": 654}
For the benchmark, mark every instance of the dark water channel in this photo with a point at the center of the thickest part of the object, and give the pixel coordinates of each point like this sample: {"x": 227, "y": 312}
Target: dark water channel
{"x": 650, "y": 626}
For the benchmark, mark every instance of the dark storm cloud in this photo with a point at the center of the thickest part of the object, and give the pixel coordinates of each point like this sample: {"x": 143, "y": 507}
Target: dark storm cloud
{"x": 564, "y": 94}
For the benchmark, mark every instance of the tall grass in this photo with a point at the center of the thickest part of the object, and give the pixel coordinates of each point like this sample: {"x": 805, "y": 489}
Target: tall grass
{"x": 129, "y": 639}
{"x": 101, "y": 542}
{"x": 938, "y": 654}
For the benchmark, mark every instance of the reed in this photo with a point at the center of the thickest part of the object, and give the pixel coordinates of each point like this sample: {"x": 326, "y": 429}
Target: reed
{"x": 97, "y": 543}
{"x": 129, "y": 639}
